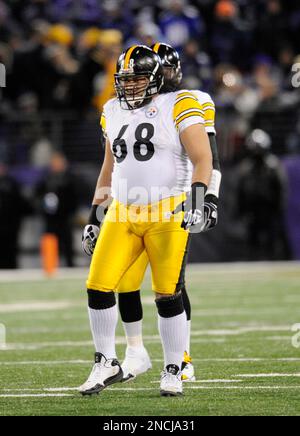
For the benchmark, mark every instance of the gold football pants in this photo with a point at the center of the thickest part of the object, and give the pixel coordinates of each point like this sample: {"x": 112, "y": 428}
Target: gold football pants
{"x": 132, "y": 236}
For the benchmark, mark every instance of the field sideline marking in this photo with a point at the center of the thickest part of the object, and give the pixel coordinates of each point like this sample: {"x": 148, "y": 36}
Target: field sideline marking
{"x": 119, "y": 341}
{"x": 206, "y": 381}
{"x": 44, "y": 306}
{"x": 246, "y": 388}
{"x": 242, "y": 330}
{"x": 269, "y": 375}
{"x": 156, "y": 338}
{"x": 67, "y": 389}
{"x": 239, "y": 268}
{"x": 34, "y": 395}
{"x": 37, "y": 306}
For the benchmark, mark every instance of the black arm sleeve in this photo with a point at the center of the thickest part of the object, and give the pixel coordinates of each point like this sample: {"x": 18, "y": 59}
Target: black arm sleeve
{"x": 214, "y": 150}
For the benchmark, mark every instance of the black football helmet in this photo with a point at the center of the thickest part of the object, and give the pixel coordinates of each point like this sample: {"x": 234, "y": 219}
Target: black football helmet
{"x": 171, "y": 66}
{"x": 139, "y": 77}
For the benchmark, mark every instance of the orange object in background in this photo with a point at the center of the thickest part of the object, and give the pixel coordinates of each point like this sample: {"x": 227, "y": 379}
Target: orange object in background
{"x": 49, "y": 253}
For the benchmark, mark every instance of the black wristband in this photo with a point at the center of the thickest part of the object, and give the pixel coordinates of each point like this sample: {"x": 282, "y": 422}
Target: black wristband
{"x": 197, "y": 199}
{"x": 196, "y": 185}
{"x": 97, "y": 214}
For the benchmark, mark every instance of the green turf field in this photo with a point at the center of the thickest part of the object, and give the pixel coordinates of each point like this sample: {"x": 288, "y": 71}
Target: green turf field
{"x": 241, "y": 346}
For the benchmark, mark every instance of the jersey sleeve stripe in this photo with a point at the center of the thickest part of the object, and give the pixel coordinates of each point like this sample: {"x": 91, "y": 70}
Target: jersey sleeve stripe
{"x": 184, "y": 104}
{"x": 186, "y": 112}
{"x": 209, "y": 113}
{"x": 186, "y": 94}
{"x": 187, "y": 106}
{"x": 187, "y": 101}
{"x": 183, "y": 97}
{"x": 209, "y": 109}
{"x": 191, "y": 114}
{"x": 208, "y": 105}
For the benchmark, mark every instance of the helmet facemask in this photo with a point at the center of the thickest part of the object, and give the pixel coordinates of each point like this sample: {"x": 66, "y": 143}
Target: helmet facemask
{"x": 135, "y": 90}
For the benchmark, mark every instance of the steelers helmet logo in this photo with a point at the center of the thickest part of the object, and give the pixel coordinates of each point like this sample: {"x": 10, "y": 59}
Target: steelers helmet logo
{"x": 151, "y": 112}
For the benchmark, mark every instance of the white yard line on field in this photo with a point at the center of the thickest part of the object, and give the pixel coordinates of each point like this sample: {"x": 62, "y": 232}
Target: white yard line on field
{"x": 63, "y": 389}
{"x": 89, "y": 362}
{"x": 47, "y": 363}
{"x": 207, "y": 381}
{"x": 37, "y": 306}
{"x": 40, "y": 306}
{"x": 196, "y": 338}
{"x": 212, "y": 388}
{"x": 242, "y": 330}
{"x": 269, "y": 375}
{"x": 238, "y": 268}
{"x": 119, "y": 341}
{"x": 40, "y": 345}
{"x": 37, "y": 275}
{"x": 34, "y": 395}
{"x": 203, "y": 313}
{"x": 75, "y": 389}
{"x": 242, "y": 268}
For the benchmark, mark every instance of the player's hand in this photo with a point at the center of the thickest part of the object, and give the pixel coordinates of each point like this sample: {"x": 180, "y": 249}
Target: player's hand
{"x": 210, "y": 213}
{"x": 193, "y": 208}
{"x": 89, "y": 238}
{"x": 91, "y": 231}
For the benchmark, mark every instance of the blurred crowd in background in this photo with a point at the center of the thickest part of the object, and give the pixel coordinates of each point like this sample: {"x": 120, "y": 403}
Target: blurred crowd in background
{"x": 60, "y": 56}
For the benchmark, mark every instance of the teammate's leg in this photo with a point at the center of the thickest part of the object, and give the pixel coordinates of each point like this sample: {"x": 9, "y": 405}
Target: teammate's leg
{"x": 130, "y": 305}
{"x": 187, "y": 368}
{"x": 166, "y": 272}
{"x": 137, "y": 360}
{"x": 187, "y": 308}
{"x": 166, "y": 244}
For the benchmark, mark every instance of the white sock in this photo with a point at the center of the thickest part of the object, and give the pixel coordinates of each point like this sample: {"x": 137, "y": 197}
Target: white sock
{"x": 134, "y": 335}
{"x": 188, "y": 339}
{"x": 173, "y": 337}
{"x": 103, "y": 325}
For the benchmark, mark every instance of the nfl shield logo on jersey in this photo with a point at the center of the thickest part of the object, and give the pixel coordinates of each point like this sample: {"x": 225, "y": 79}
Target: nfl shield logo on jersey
{"x": 151, "y": 112}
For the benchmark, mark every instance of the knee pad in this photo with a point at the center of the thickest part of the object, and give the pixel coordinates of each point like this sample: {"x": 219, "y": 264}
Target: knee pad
{"x": 169, "y": 307}
{"x": 98, "y": 300}
{"x": 130, "y": 306}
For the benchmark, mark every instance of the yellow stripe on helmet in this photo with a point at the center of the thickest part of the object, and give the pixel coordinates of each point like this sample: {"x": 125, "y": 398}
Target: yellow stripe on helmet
{"x": 128, "y": 56}
{"x": 156, "y": 47}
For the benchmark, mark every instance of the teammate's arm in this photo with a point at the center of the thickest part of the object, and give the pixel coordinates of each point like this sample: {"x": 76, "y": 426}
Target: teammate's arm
{"x": 101, "y": 202}
{"x": 196, "y": 143}
{"x": 212, "y": 194}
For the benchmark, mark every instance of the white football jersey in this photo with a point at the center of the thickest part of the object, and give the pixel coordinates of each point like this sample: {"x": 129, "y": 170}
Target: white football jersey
{"x": 150, "y": 162}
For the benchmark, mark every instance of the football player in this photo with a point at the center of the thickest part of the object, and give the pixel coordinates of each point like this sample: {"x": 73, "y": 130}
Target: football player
{"x": 137, "y": 360}
{"x": 153, "y": 141}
